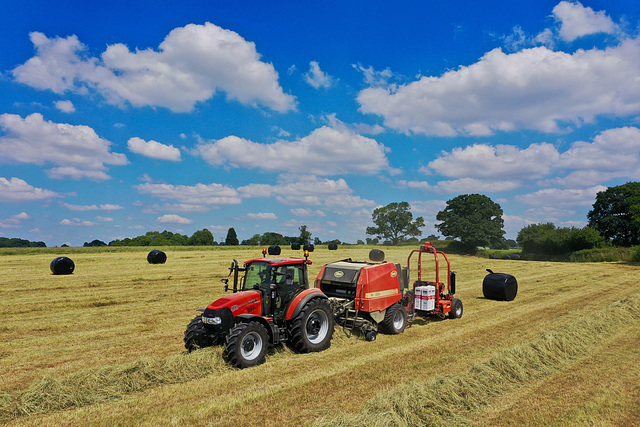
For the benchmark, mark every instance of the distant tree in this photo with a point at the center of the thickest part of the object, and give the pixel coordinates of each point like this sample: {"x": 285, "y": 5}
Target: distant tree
{"x": 270, "y": 238}
{"x": 546, "y": 239}
{"x": 94, "y": 243}
{"x": 153, "y": 238}
{"x": 317, "y": 241}
{"x": 255, "y": 240}
{"x": 232, "y": 238}
{"x": 395, "y": 222}
{"x": 616, "y": 214}
{"x": 305, "y": 235}
{"x": 371, "y": 241}
{"x": 6, "y": 242}
{"x": 432, "y": 237}
{"x": 359, "y": 242}
{"x": 201, "y": 238}
{"x": 475, "y": 220}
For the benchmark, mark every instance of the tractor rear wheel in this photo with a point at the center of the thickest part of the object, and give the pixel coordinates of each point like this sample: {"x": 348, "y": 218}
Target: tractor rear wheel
{"x": 312, "y": 329}
{"x": 246, "y": 345}
{"x": 456, "y": 309}
{"x": 197, "y": 336}
{"x": 395, "y": 320}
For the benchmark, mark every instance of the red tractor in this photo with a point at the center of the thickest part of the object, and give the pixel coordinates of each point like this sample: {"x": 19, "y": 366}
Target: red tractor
{"x": 270, "y": 304}
{"x": 378, "y": 296}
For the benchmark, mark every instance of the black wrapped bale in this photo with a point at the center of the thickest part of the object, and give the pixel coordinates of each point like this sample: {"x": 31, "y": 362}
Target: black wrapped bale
{"x": 499, "y": 286}
{"x": 333, "y": 246}
{"x": 309, "y": 247}
{"x": 274, "y": 250}
{"x": 295, "y": 246}
{"x": 376, "y": 255}
{"x": 156, "y": 257}
{"x": 62, "y": 265}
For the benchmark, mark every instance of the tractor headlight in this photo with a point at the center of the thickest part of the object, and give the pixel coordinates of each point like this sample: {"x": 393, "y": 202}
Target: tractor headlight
{"x": 212, "y": 320}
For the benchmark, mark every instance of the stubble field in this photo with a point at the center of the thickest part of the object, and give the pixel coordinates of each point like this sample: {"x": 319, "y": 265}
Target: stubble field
{"x": 104, "y": 347}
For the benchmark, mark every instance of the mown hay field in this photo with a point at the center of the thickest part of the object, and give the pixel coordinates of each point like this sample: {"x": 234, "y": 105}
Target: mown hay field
{"x": 103, "y": 346}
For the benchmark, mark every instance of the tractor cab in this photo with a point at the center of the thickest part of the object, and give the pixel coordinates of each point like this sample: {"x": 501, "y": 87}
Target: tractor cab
{"x": 278, "y": 280}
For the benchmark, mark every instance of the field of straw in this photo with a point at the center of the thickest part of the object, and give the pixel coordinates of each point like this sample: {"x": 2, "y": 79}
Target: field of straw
{"x": 103, "y": 346}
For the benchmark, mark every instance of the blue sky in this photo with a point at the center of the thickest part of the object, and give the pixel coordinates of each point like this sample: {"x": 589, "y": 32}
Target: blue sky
{"x": 118, "y": 118}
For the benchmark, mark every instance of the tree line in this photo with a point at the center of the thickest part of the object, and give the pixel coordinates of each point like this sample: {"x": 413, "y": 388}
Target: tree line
{"x": 474, "y": 220}
{"x": 470, "y": 220}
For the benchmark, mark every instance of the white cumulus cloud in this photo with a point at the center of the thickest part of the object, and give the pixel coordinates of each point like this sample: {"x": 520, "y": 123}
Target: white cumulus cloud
{"x": 562, "y": 198}
{"x": 535, "y": 88}
{"x": 76, "y": 149}
{"x": 199, "y": 194}
{"x": 578, "y": 21}
{"x": 81, "y": 208}
{"x": 326, "y": 151}
{"x": 316, "y": 77}
{"x": 191, "y": 65}
{"x": 500, "y": 161}
{"x": 262, "y": 215}
{"x": 153, "y": 149}
{"x": 17, "y": 190}
{"x": 65, "y": 106}
{"x": 174, "y": 219}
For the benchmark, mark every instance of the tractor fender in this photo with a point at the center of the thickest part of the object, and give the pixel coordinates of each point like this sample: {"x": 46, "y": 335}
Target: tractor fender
{"x": 301, "y": 299}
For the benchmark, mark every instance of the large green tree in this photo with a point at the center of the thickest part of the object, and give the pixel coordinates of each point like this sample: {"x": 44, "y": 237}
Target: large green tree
{"x": 474, "y": 219}
{"x": 201, "y": 238}
{"x": 616, "y": 214}
{"x": 395, "y": 222}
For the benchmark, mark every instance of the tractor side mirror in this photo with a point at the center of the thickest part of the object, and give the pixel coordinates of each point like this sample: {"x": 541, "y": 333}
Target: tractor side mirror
{"x": 226, "y": 284}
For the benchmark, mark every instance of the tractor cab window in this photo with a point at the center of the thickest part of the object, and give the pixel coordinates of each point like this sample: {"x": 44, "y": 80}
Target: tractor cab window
{"x": 258, "y": 276}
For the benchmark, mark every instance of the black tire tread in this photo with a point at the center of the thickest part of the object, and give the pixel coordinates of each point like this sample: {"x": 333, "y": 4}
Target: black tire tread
{"x": 231, "y": 351}
{"x": 297, "y": 341}
{"x": 452, "y": 313}
{"x": 386, "y": 326}
{"x": 195, "y": 336}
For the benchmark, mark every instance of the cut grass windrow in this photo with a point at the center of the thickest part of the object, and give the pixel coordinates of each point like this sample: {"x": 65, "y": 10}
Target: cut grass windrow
{"x": 454, "y": 399}
{"x": 106, "y": 383}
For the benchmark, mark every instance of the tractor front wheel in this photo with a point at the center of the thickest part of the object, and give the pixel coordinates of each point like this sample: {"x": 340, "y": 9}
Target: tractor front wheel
{"x": 246, "y": 345}
{"x": 197, "y": 336}
{"x": 312, "y": 329}
{"x": 395, "y": 320}
{"x": 456, "y": 309}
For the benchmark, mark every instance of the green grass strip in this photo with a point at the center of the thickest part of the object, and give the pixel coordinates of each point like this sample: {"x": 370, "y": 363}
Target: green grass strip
{"x": 454, "y": 399}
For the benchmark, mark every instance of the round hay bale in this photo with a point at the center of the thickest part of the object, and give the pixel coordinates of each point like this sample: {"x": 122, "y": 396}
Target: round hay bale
{"x": 156, "y": 257}
{"x": 295, "y": 246}
{"x": 274, "y": 250}
{"x": 376, "y": 255}
{"x": 333, "y": 246}
{"x": 499, "y": 286}
{"x": 309, "y": 247}
{"x": 62, "y": 265}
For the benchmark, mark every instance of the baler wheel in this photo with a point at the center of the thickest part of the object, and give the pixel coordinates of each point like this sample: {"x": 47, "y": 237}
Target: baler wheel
{"x": 456, "y": 309}
{"x": 395, "y": 320}
{"x": 196, "y": 336}
{"x": 246, "y": 345}
{"x": 312, "y": 329}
